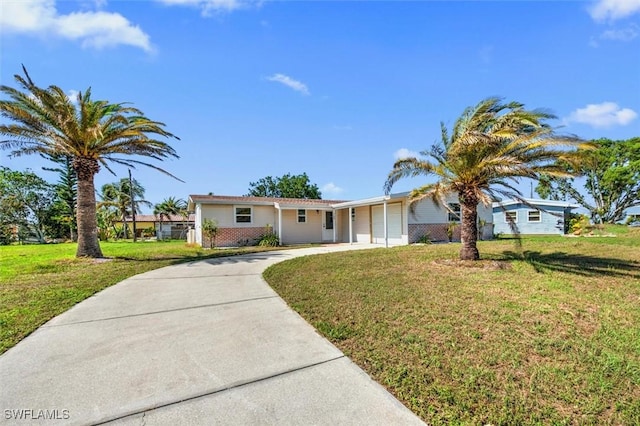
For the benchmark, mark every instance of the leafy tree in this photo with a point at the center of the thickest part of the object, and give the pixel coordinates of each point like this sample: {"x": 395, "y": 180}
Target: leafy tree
{"x": 210, "y": 230}
{"x": 611, "y": 179}
{"x": 92, "y": 133}
{"x": 118, "y": 196}
{"x": 26, "y": 201}
{"x": 67, "y": 192}
{"x": 106, "y": 222}
{"x": 170, "y": 207}
{"x": 287, "y": 186}
{"x": 490, "y": 146}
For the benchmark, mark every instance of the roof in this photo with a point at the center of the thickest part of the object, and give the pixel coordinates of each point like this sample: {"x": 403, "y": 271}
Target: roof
{"x": 154, "y": 218}
{"x": 537, "y": 202}
{"x": 290, "y": 202}
{"x": 265, "y": 201}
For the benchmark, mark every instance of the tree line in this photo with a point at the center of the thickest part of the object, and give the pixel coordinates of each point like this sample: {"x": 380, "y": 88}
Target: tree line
{"x": 32, "y": 209}
{"x": 490, "y": 147}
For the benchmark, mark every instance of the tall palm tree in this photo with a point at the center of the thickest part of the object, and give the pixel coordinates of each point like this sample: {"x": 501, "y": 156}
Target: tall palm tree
{"x": 91, "y": 132}
{"x": 118, "y": 195}
{"x": 490, "y": 147}
{"x": 170, "y": 207}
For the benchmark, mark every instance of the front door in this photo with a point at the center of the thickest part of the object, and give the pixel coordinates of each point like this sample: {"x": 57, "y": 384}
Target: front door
{"x": 327, "y": 226}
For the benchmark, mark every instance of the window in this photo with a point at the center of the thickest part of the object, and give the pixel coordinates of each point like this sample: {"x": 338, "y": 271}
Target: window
{"x": 511, "y": 217}
{"x": 534, "y": 216}
{"x": 454, "y": 212}
{"x": 244, "y": 214}
{"x": 302, "y": 215}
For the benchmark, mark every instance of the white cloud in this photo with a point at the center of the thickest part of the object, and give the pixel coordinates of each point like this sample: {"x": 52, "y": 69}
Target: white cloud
{"x": 331, "y": 188}
{"x": 73, "y": 95}
{"x": 624, "y": 34}
{"x": 209, "y": 7}
{"x": 621, "y": 34}
{"x": 610, "y": 10}
{"x": 290, "y": 82}
{"x": 91, "y": 29}
{"x": 605, "y": 114}
{"x": 403, "y": 153}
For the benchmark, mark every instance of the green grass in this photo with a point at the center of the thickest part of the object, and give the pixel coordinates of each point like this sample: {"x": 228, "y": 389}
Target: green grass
{"x": 544, "y": 333}
{"x": 38, "y": 282}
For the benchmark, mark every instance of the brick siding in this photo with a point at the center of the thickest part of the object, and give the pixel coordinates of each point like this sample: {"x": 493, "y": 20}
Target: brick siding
{"x": 234, "y": 237}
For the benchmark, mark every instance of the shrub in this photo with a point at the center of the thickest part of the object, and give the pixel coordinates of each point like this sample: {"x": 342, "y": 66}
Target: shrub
{"x": 425, "y": 239}
{"x": 210, "y": 230}
{"x": 579, "y": 224}
{"x": 269, "y": 238}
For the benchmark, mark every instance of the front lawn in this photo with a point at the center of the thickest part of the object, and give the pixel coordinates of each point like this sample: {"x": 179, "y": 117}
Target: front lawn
{"x": 545, "y": 333}
{"x": 38, "y": 282}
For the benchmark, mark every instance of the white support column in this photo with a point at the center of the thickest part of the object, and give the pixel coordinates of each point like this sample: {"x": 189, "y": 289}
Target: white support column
{"x": 279, "y": 222}
{"x": 333, "y": 218}
{"x": 350, "y": 225}
{"x": 385, "y": 224}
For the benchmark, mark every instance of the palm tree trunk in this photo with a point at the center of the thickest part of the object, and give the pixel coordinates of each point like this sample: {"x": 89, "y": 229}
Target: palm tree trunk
{"x": 469, "y": 229}
{"x": 88, "y": 245}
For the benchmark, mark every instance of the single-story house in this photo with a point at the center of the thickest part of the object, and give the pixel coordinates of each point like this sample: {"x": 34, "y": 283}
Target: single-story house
{"x": 175, "y": 227}
{"x": 386, "y": 219}
{"x": 536, "y": 217}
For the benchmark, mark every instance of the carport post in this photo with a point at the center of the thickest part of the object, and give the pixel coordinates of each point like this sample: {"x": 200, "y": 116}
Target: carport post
{"x": 333, "y": 219}
{"x": 386, "y": 231}
{"x": 350, "y": 225}
{"x": 277, "y": 206}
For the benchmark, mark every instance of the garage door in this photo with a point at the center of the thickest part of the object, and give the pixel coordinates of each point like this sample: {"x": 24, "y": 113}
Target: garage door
{"x": 394, "y": 223}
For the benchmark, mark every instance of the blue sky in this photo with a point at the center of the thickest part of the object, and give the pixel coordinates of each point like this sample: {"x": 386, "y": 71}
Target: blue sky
{"x": 334, "y": 89}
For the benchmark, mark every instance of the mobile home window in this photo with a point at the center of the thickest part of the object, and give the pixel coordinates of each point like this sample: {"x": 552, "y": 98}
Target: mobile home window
{"x": 454, "y": 213}
{"x": 534, "y": 216}
{"x": 302, "y": 215}
{"x": 511, "y": 217}
{"x": 244, "y": 214}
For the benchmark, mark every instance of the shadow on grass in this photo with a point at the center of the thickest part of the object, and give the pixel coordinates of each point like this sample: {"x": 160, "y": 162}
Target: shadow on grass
{"x": 576, "y": 264}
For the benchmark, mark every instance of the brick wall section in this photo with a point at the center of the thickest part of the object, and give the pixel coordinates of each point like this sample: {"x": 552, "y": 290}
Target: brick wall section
{"x": 234, "y": 237}
{"x": 436, "y": 232}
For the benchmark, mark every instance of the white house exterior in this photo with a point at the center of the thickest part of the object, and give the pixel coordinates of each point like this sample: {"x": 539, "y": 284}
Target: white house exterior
{"x": 386, "y": 220}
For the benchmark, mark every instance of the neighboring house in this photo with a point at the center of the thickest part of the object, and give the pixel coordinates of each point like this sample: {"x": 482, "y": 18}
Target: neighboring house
{"x": 174, "y": 227}
{"x": 540, "y": 217}
{"x": 386, "y": 220}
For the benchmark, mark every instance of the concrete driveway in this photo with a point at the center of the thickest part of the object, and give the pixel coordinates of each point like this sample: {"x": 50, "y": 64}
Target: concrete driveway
{"x": 202, "y": 343}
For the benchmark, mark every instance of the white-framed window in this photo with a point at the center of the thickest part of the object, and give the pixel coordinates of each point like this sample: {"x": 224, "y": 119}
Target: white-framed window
{"x": 243, "y": 214}
{"x": 302, "y": 216}
{"x": 511, "y": 216}
{"x": 534, "y": 216}
{"x": 454, "y": 214}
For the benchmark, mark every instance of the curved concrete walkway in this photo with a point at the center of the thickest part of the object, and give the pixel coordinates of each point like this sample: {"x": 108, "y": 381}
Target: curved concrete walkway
{"x": 201, "y": 343}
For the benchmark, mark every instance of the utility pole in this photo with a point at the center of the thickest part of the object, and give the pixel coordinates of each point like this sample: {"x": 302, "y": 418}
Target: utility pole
{"x": 133, "y": 207}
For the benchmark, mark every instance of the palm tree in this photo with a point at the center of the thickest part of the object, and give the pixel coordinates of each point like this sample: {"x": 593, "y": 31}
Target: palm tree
{"x": 170, "y": 207}
{"x": 92, "y": 133}
{"x": 490, "y": 147}
{"x": 118, "y": 195}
